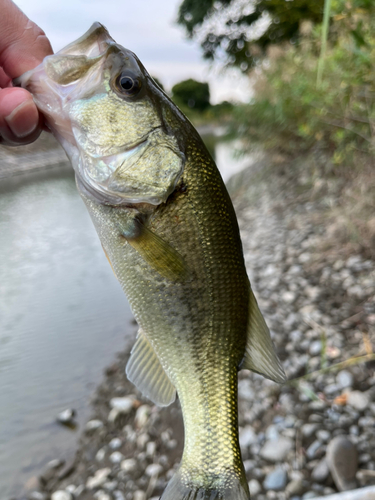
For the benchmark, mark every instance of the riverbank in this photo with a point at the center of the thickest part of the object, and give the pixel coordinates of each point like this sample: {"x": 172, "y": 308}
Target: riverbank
{"x": 319, "y": 301}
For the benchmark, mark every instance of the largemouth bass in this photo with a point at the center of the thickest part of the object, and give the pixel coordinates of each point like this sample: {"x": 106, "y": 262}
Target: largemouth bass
{"x": 168, "y": 228}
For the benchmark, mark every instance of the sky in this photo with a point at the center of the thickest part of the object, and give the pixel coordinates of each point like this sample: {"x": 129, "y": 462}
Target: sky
{"x": 146, "y": 27}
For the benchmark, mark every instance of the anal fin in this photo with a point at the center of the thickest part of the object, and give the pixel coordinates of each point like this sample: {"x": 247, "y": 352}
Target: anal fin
{"x": 144, "y": 370}
{"x": 260, "y": 353}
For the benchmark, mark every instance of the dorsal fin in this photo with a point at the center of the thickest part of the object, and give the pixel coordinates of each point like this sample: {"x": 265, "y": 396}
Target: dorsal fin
{"x": 260, "y": 353}
{"x": 144, "y": 370}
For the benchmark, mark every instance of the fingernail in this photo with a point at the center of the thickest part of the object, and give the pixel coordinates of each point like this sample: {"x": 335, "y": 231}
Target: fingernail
{"x": 23, "y": 120}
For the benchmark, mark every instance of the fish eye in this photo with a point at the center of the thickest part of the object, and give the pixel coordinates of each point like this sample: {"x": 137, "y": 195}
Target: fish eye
{"x": 128, "y": 83}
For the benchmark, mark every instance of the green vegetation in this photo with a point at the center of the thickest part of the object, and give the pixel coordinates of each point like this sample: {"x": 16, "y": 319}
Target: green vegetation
{"x": 193, "y": 98}
{"x": 224, "y": 28}
{"x": 192, "y": 94}
{"x": 290, "y": 113}
{"x": 313, "y": 102}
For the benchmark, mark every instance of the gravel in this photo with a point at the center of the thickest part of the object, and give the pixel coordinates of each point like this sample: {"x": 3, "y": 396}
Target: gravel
{"x": 320, "y": 307}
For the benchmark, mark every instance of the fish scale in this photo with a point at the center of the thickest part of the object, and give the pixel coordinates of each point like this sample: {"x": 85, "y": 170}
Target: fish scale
{"x": 168, "y": 228}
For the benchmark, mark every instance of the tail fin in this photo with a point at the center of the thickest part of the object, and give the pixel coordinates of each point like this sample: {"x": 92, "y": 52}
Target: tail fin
{"x": 232, "y": 489}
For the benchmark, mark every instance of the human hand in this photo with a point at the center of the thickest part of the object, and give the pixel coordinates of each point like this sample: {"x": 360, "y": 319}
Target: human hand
{"x": 23, "y": 45}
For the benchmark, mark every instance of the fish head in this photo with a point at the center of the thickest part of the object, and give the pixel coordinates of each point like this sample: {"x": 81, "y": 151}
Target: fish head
{"x": 106, "y": 111}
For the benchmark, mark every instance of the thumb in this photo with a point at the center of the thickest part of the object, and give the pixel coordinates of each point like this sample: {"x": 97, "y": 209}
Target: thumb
{"x": 23, "y": 45}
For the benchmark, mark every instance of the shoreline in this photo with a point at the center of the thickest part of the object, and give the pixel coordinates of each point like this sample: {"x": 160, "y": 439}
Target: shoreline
{"x": 320, "y": 308}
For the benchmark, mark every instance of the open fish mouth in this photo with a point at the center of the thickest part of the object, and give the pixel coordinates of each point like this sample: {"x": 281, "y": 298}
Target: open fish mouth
{"x": 99, "y": 102}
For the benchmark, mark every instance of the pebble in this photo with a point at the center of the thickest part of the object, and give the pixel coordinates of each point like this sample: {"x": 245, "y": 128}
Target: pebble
{"x": 320, "y": 472}
{"x": 276, "y": 480}
{"x": 153, "y": 470}
{"x": 102, "y": 495}
{"x": 67, "y": 417}
{"x": 295, "y": 487}
{"x": 247, "y": 437}
{"x": 342, "y": 459}
{"x": 61, "y": 495}
{"x": 141, "y": 416}
{"x": 128, "y": 465}
{"x": 358, "y": 400}
{"x": 93, "y": 425}
{"x": 309, "y": 429}
{"x": 37, "y": 495}
{"x": 314, "y": 449}
{"x": 116, "y": 457}
{"x": 98, "y": 479}
{"x": 254, "y": 487}
{"x": 344, "y": 379}
{"x": 139, "y": 495}
{"x": 123, "y": 405}
{"x": 115, "y": 443}
{"x": 277, "y": 450}
{"x": 100, "y": 454}
{"x": 323, "y": 435}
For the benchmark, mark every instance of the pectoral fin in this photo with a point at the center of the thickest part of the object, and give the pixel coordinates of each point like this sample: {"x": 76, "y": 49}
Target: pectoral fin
{"x": 260, "y": 354}
{"x": 144, "y": 370}
{"x": 158, "y": 254}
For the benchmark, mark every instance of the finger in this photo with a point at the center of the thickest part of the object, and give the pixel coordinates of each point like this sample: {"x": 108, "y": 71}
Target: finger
{"x": 20, "y": 122}
{"x": 5, "y": 81}
{"x": 23, "y": 45}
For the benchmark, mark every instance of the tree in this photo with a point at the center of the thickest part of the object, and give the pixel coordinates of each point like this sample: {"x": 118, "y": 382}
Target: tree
{"x": 195, "y": 95}
{"x": 238, "y": 32}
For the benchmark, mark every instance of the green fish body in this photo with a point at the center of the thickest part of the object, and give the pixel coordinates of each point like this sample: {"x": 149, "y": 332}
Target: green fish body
{"x": 169, "y": 230}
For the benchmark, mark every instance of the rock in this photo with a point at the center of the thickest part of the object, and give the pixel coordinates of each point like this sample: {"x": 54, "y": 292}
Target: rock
{"x": 254, "y": 487}
{"x": 118, "y": 495}
{"x": 100, "y": 455}
{"x": 315, "y": 347}
{"x": 320, "y": 472}
{"x": 309, "y": 429}
{"x": 358, "y": 400}
{"x": 110, "y": 485}
{"x": 139, "y": 495}
{"x": 67, "y": 417}
{"x": 116, "y": 457}
{"x": 309, "y": 494}
{"x": 342, "y": 459}
{"x": 288, "y": 297}
{"x": 314, "y": 450}
{"x": 32, "y": 483}
{"x": 276, "y": 480}
{"x": 93, "y": 425}
{"x": 129, "y": 465}
{"x": 345, "y": 379}
{"x": 37, "y": 495}
{"x": 142, "y": 415}
{"x": 61, "y": 495}
{"x": 115, "y": 443}
{"x": 79, "y": 490}
{"x": 151, "y": 449}
{"x": 295, "y": 487}
{"x": 277, "y": 450}
{"x": 102, "y": 495}
{"x": 323, "y": 435}
{"x": 247, "y": 437}
{"x": 98, "y": 479}
{"x": 153, "y": 470}
{"x": 123, "y": 405}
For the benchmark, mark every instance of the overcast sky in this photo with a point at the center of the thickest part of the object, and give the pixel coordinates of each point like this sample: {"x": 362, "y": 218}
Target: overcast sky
{"x": 147, "y": 27}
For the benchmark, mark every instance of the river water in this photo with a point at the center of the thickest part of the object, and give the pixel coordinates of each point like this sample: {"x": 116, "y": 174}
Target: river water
{"x": 63, "y": 316}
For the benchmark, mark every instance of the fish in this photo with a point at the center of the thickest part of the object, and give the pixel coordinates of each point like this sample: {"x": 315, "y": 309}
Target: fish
{"x": 169, "y": 230}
